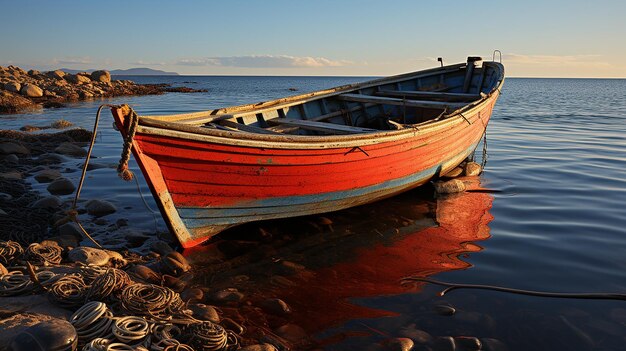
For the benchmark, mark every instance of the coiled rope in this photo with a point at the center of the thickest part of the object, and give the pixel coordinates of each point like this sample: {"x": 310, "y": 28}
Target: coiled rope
{"x": 151, "y": 300}
{"x": 112, "y": 281}
{"x": 92, "y": 321}
{"x": 207, "y": 336}
{"x": 131, "y": 329}
{"x": 118, "y": 346}
{"x": 68, "y": 291}
{"x": 97, "y": 344}
{"x": 10, "y": 251}
{"x": 15, "y": 283}
{"x": 452, "y": 286}
{"x": 43, "y": 254}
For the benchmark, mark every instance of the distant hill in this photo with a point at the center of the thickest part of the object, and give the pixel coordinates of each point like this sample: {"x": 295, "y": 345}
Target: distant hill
{"x": 142, "y": 71}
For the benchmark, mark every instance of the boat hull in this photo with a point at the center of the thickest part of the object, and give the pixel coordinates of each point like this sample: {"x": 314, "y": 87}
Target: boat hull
{"x": 204, "y": 184}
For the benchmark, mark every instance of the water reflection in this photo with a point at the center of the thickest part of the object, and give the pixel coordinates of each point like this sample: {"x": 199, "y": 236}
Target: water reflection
{"x": 326, "y": 267}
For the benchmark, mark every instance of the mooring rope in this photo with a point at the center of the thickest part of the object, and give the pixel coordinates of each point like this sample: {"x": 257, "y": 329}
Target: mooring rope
{"x": 122, "y": 168}
{"x": 131, "y": 329}
{"x": 112, "y": 281}
{"x": 68, "y": 291}
{"x": 10, "y": 251}
{"x": 93, "y": 321}
{"x": 152, "y": 300}
{"x": 452, "y": 286}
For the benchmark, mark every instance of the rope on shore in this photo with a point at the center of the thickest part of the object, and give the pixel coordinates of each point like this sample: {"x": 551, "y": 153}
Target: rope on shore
{"x": 452, "y": 286}
{"x": 130, "y": 329}
{"x": 10, "y": 251}
{"x": 152, "y": 300}
{"x": 68, "y": 291}
{"x": 111, "y": 281}
{"x": 208, "y": 336}
{"x": 122, "y": 168}
{"x": 93, "y": 320}
{"x": 98, "y": 344}
{"x": 43, "y": 254}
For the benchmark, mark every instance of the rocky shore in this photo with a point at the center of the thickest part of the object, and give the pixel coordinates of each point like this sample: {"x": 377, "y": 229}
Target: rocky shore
{"x": 22, "y": 90}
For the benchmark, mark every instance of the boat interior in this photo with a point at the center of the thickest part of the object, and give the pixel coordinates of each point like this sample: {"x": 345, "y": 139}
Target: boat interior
{"x": 393, "y": 103}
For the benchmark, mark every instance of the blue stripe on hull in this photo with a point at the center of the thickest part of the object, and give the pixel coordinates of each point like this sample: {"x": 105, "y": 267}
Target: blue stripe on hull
{"x": 270, "y": 208}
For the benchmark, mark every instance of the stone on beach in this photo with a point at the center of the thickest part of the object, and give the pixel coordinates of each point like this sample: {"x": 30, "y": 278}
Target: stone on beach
{"x": 9, "y": 147}
{"x": 13, "y": 87}
{"x": 50, "y": 335}
{"x": 204, "y": 312}
{"x": 89, "y": 255}
{"x": 58, "y": 74}
{"x": 399, "y": 344}
{"x": 472, "y": 169}
{"x": 449, "y": 187}
{"x": 48, "y": 202}
{"x": 276, "y": 307}
{"x": 468, "y": 343}
{"x": 455, "y": 172}
{"x": 77, "y": 78}
{"x": 101, "y": 76}
{"x": 47, "y": 175}
{"x": 71, "y": 228}
{"x": 61, "y": 186}
{"x": 99, "y": 208}
{"x": 31, "y": 90}
{"x": 175, "y": 264}
{"x": 227, "y": 295}
{"x": 70, "y": 149}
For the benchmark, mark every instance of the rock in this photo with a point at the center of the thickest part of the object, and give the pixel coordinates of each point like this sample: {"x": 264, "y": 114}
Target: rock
{"x": 9, "y": 147}
{"x": 31, "y": 90}
{"x": 455, "y": 172}
{"x": 115, "y": 256}
{"x": 161, "y": 247}
{"x": 144, "y": 273}
{"x": 99, "y": 208}
{"x": 444, "y": 310}
{"x": 70, "y": 229}
{"x": 61, "y": 186}
{"x": 101, "y": 76}
{"x": 444, "y": 343}
{"x": 58, "y": 74}
{"x": 468, "y": 343}
{"x": 13, "y": 175}
{"x": 70, "y": 149}
{"x": 227, "y": 295}
{"x": 89, "y": 255}
{"x": 14, "y": 103}
{"x": 291, "y": 332}
{"x": 175, "y": 264}
{"x": 47, "y": 175}
{"x": 493, "y": 345}
{"x": 77, "y": 78}
{"x": 94, "y": 165}
{"x": 173, "y": 283}
{"x": 20, "y": 321}
{"x": 260, "y": 347}
{"x": 33, "y": 72}
{"x": 51, "y": 158}
{"x": 48, "y": 202}
{"x": 192, "y": 295}
{"x": 204, "y": 312}
{"x": 472, "y": 169}
{"x": 46, "y": 336}
{"x": 276, "y": 307}
{"x": 449, "y": 187}
{"x": 13, "y": 87}
{"x": 11, "y": 158}
{"x": 399, "y": 344}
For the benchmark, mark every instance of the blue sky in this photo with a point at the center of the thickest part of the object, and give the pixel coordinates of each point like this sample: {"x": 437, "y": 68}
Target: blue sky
{"x": 322, "y": 37}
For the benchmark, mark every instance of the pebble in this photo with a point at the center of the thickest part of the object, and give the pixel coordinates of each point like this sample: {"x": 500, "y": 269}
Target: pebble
{"x": 276, "y": 307}
{"x": 89, "y": 255}
{"x": 31, "y": 90}
{"x": 227, "y": 295}
{"x": 490, "y": 344}
{"x": 11, "y": 158}
{"x": 291, "y": 332}
{"x": 192, "y": 295}
{"x": 399, "y": 344}
{"x": 47, "y": 175}
{"x": 48, "y": 202}
{"x": 61, "y": 186}
{"x": 144, "y": 273}
{"x": 70, "y": 229}
{"x": 260, "y": 347}
{"x": 444, "y": 310}
{"x": 13, "y": 175}
{"x": 70, "y": 149}
{"x": 101, "y": 76}
{"x": 46, "y": 336}
{"x": 9, "y": 147}
{"x": 173, "y": 283}
{"x": 449, "y": 187}
{"x": 161, "y": 247}
{"x": 468, "y": 343}
{"x": 472, "y": 169}
{"x": 444, "y": 343}
{"x": 204, "y": 312}
{"x": 99, "y": 208}
{"x": 58, "y": 74}
{"x": 175, "y": 264}
{"x": 13, "y": 87}
{"x": 51, "y": 158}
{"x": 455, "y": 172}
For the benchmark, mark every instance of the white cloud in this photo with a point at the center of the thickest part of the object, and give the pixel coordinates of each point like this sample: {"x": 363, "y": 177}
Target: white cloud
{"x": 556, "y": 60}
{"x": 148, "y": 63}
{"x": 263, "y": 61}
{"x": 72, "y": 61}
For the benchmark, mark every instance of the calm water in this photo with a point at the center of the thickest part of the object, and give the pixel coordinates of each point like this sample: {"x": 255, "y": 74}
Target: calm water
{"x": 555, "y": 222}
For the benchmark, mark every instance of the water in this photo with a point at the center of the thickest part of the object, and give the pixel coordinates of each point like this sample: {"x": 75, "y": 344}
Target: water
{"x": 555, "y": 222}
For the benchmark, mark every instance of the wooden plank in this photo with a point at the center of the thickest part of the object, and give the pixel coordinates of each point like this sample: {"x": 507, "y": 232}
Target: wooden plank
{"x": 321, "y": 126}
{"x": 400, "y": 102}
{"x": 246, "y": 128}
{"x": 429, "y": 94}
{"x": 206, "y": 119}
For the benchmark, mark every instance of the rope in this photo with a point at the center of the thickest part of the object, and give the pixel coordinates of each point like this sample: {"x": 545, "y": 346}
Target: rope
{"x": 43, "y": 254}
{"x": 452, "y": 286}
{"x": 118, "y": 346}
{"x": 207, "y": 336}
{"x": 97, "y": 344}
{"x": 15, "y": 283}
{"x": 122, "y": 169}
{"x": 152, "y": 300}
{"x": 130, "y": 329}
{"x": 9, "y": 251}
{"x": 68, "y": 291}
{"x": 111, "y": 281}
{"x": 92, "y": 321}
{"x": 179, "y": 347}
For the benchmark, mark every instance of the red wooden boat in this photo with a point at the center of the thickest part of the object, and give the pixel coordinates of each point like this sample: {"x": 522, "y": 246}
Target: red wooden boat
{"x": 311, "y": 153}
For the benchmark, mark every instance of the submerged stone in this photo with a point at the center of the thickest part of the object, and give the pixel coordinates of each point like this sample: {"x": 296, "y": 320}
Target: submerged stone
{"x": 449, "y": 187}
{"x": 61, "y": 186}
{"x": 472, "y": 169}
{"x": 100, "y": 207}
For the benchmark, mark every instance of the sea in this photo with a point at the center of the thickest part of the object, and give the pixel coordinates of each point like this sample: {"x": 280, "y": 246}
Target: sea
{"x": 549, "y": 215}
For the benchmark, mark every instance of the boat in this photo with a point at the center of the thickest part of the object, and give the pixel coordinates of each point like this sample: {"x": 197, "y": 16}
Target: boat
{"x": 310, "y": 153}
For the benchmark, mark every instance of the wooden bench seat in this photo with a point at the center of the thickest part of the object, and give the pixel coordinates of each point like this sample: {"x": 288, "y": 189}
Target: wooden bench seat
{"x": 320, "y": 126}
{"x": 400, "y": 102}
{"x": 428, "y": 94}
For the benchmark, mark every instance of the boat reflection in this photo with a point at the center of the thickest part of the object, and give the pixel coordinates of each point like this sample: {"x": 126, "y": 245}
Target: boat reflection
{"x": 321, "y": 265}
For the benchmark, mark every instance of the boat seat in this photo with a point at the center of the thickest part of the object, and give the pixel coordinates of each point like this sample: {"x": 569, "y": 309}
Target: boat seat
{"x": 400, "y": 102}
{"x": 321, "y": 126}
{"x": 410, "y": 94}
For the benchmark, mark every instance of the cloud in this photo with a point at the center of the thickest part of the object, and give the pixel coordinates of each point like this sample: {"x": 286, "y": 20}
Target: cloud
{"x": 263, "y": 61}
{"x": 72, "y": 61}
{"x": 556, "y": 60}
{"x": 148, "y": 63}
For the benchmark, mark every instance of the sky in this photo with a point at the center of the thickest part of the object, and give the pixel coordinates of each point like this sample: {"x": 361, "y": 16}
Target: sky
{"x": 548, "y": 38}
